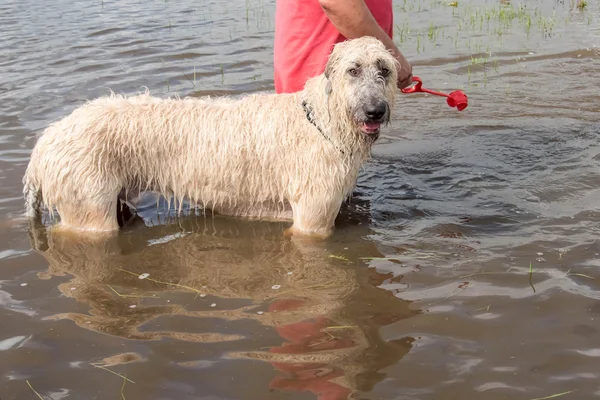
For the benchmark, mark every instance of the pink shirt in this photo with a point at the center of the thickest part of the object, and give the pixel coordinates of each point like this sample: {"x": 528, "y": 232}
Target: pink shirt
{"x": 304, "y": 37}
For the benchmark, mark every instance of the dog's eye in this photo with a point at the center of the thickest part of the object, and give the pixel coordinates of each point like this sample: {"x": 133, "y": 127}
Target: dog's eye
{"x": 385, "y": 71}
{"x": 353, "y": 71}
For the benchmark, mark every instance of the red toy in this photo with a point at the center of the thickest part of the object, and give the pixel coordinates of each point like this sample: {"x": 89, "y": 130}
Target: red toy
{"x": 456, "y": 98}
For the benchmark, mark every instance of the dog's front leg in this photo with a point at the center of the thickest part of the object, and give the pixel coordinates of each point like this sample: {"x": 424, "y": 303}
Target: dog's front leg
{"x": 315, "y": 216}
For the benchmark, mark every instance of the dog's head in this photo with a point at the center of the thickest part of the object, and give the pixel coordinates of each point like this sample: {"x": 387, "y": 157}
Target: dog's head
{"x": 362, "y": 78}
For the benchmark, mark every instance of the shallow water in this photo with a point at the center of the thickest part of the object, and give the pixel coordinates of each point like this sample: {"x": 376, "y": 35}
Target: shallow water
{"x": 467, "y": 266}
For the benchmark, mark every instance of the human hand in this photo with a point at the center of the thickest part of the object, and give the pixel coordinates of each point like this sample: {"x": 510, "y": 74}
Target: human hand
{"x": 405, "y": 71}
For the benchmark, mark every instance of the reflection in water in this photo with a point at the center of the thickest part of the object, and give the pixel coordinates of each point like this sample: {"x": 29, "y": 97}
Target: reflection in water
{"x": 327, "y": 311}
{"x": 486, "y": 194}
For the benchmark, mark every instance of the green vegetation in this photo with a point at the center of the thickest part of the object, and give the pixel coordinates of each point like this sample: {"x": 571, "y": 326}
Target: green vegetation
{"x": 479, "y": 29}
{"x": 481, "y": 34}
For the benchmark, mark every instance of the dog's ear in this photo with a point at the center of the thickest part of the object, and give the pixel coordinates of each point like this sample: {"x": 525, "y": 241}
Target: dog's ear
{"x": 328, "y": 71}
{"x": 328, "y": 87}
{"x": 328, "y": 68}
{"x": 332, "y": 61}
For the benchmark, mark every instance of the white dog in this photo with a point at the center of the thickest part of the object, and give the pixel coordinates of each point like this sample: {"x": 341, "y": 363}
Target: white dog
{"x": 293, "y": 157}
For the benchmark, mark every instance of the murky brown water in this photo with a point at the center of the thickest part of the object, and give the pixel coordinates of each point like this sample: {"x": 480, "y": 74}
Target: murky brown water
{"x": 424, "y": 292}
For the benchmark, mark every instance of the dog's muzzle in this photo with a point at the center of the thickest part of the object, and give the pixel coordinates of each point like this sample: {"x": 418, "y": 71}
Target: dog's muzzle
{"x": 375, "y": 113}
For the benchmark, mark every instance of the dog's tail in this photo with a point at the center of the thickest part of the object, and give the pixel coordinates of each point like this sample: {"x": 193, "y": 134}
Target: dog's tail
{"x": 32, "y": 194}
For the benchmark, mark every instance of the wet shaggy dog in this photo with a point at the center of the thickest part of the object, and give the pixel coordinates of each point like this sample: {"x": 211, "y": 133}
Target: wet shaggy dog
{"x": 287, "y": 157}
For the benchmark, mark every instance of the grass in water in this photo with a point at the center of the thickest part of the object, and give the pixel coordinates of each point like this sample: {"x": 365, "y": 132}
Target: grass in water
{"x": 31, "y": 387}
{"x": 164, "y": 283}
{"x": 339, "y": 327}
{"x": 530, "y": 276}
{"x": 583, "y": 276}
{"x": 553, "y": 396}
{"x": 392, "y": 259}
{"x": 578, "y": 274}
{"x": 460, "y": 288}
{"x": 486, "y": 273}
{"x": 113, "y": 372}
{"x": 124, "y": 296}
{"x": 339, "y": 257}
{"x": 123, "y": 387}
{"x": 191, "y": 81}
{"x": 321, "y": 286}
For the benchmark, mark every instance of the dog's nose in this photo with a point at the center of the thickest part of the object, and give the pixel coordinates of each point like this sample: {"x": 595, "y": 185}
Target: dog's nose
{"x": 376, "y": 111}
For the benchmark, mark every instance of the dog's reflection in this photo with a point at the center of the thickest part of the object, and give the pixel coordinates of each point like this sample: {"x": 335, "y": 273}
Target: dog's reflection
{"x": 325, "y": 308}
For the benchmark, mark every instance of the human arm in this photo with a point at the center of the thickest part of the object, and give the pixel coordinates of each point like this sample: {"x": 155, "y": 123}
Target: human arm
{"x": 353, "y": 19}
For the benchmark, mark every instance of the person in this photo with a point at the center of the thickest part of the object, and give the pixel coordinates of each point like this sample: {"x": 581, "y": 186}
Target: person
{"x": 306, "y": 30}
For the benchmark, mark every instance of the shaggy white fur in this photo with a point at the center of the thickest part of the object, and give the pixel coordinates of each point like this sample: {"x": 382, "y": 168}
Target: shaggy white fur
{"x": 289, "y": 157}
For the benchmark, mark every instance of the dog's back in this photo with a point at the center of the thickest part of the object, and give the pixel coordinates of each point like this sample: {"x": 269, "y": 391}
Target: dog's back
{"x": 220, "y": 152}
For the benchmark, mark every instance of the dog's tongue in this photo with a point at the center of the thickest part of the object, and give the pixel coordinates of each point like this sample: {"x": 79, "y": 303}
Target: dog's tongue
{"x": 369, "y": 127}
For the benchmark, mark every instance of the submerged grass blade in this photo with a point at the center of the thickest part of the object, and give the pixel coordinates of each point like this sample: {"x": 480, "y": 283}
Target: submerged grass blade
{"x": 486, "y": 273}
{"x": 31, "y": 387}
{"x": 553, "y": 396}
{"x": 164, "y": 283}
{"x": 339, "y": 257}
{"x": 480, "y": 273}
{"x": 325, "y": 285}
{"x": 582, "y": 275}
{"x": 455, "y": 291}
{"x": 113, "y": 372}
{"x": 531, "y": 276}
{"x": 123, "y": 388}
{"x": 129, "y": 295}
{"x": 339, "y": 327}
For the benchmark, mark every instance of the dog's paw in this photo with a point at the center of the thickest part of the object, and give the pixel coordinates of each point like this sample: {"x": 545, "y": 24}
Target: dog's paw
{"x": 321, "y": 234}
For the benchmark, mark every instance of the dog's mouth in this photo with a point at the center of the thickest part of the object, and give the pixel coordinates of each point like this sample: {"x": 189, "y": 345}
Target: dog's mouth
{"x": 370, "y": 128}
